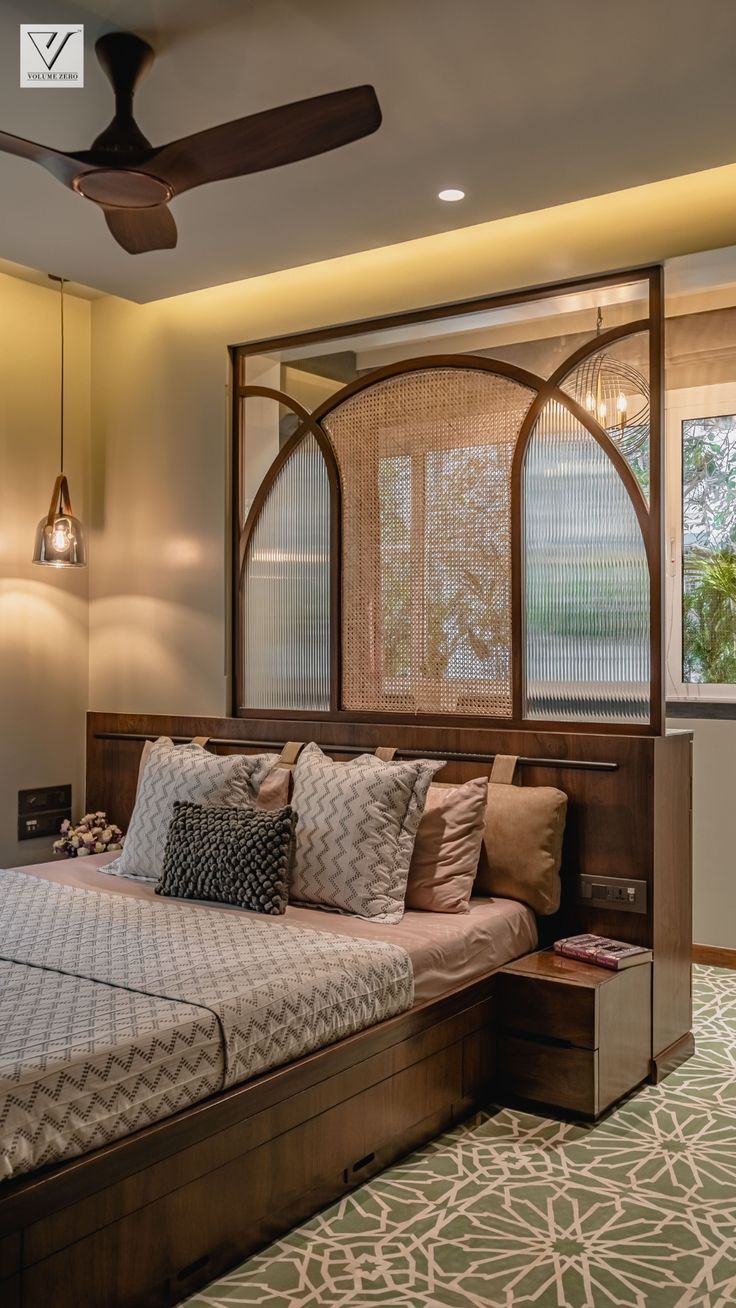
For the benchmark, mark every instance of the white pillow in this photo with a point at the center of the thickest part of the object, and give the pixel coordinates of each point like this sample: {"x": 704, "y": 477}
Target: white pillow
{"x": 183, "y": 772}
{"x": 355, "y": 832}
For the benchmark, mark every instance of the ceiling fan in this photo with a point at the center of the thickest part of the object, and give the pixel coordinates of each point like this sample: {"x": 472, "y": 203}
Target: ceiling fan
{"x": 133, "y": 181}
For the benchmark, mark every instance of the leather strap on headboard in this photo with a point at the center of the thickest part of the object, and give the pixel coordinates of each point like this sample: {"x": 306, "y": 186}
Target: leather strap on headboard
{"x": 386, "y": 753}
{"x": 200, "y": 740}
{"x": 290, "y": 753}
{"x": 504, "y": 767}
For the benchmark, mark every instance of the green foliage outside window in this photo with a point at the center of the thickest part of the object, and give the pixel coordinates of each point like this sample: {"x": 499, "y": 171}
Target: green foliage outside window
{"x": 709, "y": 550}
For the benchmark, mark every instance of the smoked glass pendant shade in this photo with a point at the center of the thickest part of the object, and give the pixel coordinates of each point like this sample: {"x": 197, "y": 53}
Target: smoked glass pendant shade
{"x": 60, "y": 541}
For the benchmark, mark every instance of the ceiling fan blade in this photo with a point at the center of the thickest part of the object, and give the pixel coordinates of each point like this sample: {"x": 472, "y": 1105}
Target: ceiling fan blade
{"x": 63, "y": 166}
{"x": 268, "y": 139}
{"x": 140, "y": 230}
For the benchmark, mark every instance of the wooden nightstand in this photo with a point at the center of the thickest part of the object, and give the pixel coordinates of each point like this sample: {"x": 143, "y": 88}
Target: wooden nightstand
{"x": 573, "y": 1036}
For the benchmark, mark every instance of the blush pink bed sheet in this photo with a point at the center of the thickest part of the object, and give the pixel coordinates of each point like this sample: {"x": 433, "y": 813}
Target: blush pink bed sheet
{"x": 446, "y": 949}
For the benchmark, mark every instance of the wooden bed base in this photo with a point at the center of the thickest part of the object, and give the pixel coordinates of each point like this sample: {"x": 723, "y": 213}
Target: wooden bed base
{"x": 150, "y": 1219}
{"x": 146, "y": 1221}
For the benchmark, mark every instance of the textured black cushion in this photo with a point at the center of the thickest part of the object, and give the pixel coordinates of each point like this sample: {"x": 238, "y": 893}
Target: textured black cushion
{"x": 230, "y": 855}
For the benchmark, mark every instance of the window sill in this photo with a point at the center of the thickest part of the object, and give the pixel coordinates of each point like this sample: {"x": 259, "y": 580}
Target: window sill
{"x": 723, "y": 709}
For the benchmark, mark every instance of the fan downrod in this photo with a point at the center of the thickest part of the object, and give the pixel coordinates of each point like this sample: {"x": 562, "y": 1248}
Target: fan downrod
{"x": 124, "y": 58}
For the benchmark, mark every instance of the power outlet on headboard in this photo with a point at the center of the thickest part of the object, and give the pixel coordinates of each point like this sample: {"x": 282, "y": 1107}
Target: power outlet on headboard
{"x": 614, "y": 892}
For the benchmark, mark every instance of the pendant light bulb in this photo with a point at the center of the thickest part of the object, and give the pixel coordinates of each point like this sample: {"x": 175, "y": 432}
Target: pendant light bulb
{"x": 60, "y": 535}
{"x": 60, "y": 541}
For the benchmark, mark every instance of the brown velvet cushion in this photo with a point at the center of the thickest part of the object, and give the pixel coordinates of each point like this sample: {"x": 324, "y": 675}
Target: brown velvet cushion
{"x": 446, "y": 851}
{"x": 522, "y": 842}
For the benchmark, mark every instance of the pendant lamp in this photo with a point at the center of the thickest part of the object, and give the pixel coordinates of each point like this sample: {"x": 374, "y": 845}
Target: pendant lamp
{"x": 60, "y": 539}
{"x": 602, "y": 383}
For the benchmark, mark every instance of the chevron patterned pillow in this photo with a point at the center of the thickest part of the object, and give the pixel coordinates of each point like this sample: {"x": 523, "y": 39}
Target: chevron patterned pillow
{"x": 182, "y": 772}
{"x": 229, "y": 856}
{"x": 356, "y": 826}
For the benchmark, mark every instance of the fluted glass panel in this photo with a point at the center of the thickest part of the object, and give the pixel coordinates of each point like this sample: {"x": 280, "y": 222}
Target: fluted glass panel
{"x": 286, "y": 589}
{"x": 586, "y": 581}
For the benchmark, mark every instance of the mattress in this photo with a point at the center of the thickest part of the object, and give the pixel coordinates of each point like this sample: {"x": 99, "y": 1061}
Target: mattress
{"x": 115, "y": 1012}
{"x": 446, "y": 949}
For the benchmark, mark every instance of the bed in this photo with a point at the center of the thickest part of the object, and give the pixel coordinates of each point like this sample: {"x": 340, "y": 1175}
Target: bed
{"x": 162, "y": 1211}
{"x": 115, "y": 1015}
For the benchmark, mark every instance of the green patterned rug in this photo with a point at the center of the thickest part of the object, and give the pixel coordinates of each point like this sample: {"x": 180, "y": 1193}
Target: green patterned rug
{"x": 512, "y": 1209}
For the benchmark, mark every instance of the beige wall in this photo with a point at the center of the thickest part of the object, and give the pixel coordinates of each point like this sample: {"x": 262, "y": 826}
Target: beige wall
{"x": 714, "y": 830}
{"x": 43, "y": 612}
{"x": 158, "y": 549}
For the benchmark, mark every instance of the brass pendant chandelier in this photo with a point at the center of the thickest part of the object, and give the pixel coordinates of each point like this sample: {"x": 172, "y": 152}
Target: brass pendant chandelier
{"x": 617, "y": 395}
{"x": 60, "y": 540}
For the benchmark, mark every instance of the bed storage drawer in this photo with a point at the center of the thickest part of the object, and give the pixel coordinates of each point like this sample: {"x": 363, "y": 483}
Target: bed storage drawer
{"x": 224, "y": 1215}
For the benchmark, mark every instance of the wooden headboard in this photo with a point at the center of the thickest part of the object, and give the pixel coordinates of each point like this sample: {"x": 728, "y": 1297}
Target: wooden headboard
{"x": 628, "y": 815}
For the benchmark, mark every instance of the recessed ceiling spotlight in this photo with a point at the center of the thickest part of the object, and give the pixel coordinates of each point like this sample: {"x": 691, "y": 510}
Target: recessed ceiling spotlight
{"x": 451, "y": 194}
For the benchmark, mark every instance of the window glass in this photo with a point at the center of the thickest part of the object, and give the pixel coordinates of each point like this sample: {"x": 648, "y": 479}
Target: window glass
{"x": 709, "y": 550}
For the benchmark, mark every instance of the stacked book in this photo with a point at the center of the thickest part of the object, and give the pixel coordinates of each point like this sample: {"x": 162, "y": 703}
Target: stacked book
{"x": 602, "y": 951}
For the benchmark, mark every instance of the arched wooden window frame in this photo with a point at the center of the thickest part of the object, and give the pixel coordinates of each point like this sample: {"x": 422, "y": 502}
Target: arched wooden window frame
{"x": 649, "y": 516}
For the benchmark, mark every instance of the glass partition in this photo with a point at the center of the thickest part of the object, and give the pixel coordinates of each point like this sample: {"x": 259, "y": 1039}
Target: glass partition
{"x": 286, "y": 589}
{"x": 586, "y": 581}
{"x": 491, "y": 473}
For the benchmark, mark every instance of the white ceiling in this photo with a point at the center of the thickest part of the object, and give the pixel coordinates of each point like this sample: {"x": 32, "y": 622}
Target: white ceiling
{"x": 522, "y": 103}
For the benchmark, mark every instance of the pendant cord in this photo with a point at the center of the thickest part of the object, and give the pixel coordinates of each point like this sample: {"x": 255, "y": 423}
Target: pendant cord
{"x": 61, "y": 425}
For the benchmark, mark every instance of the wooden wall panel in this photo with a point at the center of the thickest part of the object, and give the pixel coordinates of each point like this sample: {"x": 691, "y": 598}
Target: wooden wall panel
{"x": 628, "y": 811}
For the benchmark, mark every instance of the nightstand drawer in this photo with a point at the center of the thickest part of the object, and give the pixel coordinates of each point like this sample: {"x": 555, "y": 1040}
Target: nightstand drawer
{"x": 558, "y": 1012}
{"x": 563, "y": 1076}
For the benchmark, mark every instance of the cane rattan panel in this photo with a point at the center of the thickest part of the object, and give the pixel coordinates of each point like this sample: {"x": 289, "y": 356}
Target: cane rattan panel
{"x": 425, "y": 460}
{"x": 586, "y": 581}
{"x": 286, "y": 588}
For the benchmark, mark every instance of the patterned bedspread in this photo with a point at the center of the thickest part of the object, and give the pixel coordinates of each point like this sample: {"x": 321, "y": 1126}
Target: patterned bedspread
{"x": 115, "y": 1013}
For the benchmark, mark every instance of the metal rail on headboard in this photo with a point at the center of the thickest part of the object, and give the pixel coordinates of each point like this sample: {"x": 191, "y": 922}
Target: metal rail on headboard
{"x": 582, "y": 765}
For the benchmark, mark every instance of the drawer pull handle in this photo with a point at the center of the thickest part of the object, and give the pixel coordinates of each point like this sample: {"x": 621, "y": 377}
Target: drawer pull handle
{"x": 556, "y": 1042}
{"x": 191, "y": 1268}
{"x": 363, "y": 1162}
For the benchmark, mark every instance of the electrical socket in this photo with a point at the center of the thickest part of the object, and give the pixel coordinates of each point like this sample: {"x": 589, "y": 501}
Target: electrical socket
{"x": 41, "y": 811}
{"x": 624, "y": 895}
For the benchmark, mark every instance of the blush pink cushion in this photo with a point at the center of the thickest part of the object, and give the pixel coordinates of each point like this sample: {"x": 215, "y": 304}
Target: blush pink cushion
{"x": 273, "y": 791}
{"x": 447, "y": 848}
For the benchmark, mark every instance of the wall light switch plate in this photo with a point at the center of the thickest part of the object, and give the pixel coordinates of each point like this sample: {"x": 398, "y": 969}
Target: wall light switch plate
{"x": 614, "y": 892}
{"x": 42, "y": 811}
